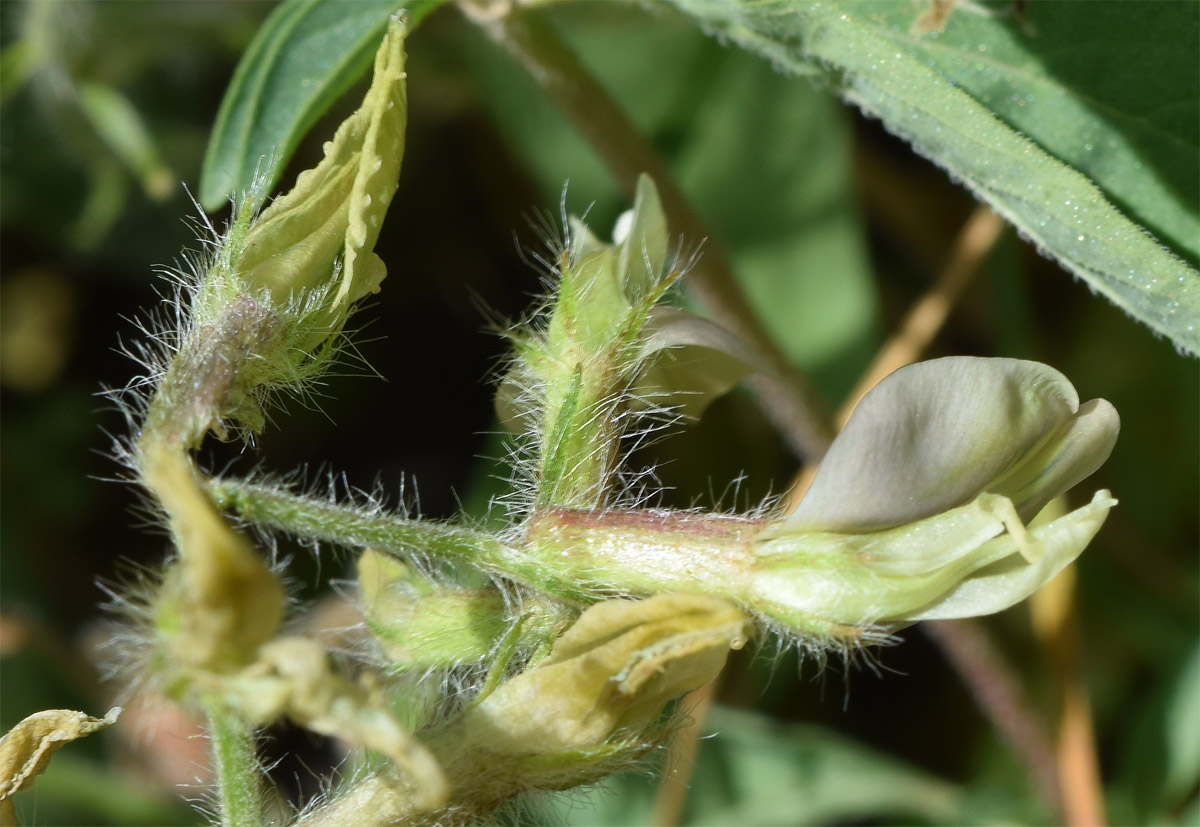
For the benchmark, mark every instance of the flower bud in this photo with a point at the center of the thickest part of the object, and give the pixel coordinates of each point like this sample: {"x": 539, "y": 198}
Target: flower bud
{"x": 293, "y": 677}
{"x": 420, "y": 626}
{"x": 26, "y": 749}
{"x": 320, "y": 236}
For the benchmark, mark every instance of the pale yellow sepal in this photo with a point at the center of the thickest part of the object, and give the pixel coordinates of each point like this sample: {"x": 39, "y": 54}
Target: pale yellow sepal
{"x": 604, "y": 683}
{"x": 220, "y": 601}
{"x": 326, "y": 227}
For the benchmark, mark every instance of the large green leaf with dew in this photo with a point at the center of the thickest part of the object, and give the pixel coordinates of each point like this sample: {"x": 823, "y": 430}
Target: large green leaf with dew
{"x": 307, "y": 53}
{"x": 1079, "y": 122}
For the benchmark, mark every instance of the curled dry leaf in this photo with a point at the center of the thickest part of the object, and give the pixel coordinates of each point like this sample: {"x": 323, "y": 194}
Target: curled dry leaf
{"x": 26, "y": 749}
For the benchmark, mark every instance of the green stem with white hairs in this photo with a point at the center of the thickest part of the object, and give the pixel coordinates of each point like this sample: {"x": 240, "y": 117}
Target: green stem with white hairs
{"x": 236, "y": 768}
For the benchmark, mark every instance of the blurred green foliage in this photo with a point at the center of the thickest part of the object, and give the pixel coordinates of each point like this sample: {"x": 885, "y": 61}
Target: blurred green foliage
{"x": 835, "y": 229}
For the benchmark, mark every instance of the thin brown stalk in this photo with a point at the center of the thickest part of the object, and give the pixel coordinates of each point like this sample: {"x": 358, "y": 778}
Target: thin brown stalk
{"x": 785, "y": 397}
{"x": 671, "y": 796}
{"x": 923, "y": 321}
{"x": 1056, "y": 624}
{"x": 970, "y": 650}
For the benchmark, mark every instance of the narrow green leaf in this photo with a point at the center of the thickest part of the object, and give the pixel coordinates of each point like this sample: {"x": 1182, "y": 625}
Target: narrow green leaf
{"x": 120, "y": 126}
{"x": 1161, "y": 764}
{"x": 1099, "y": 171}
{"x": 307, "y": 54}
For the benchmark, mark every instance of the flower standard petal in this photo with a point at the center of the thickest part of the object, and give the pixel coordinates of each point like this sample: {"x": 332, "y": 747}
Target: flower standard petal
{"x": 934, "y": 435}
{"x": 1070, "y": 455}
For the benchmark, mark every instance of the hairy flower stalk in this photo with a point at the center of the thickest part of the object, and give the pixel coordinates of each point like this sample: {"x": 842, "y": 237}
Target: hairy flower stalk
{"x": 962, "y": 551}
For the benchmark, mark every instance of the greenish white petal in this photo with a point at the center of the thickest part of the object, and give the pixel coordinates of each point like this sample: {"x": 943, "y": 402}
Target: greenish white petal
{"x": 934, "y": 435}
{"x": 1013, "y": 578}
{"x": 641, "y": 239}
{"x": 1068, "y": 456}
{"x": 976, "y": 559}
{"x": 690, "y": 361}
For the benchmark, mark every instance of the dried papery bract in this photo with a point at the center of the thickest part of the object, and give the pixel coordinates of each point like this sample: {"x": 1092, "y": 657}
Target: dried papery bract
{"x": 26, "y": 749}
{"x": 294, "y": 678}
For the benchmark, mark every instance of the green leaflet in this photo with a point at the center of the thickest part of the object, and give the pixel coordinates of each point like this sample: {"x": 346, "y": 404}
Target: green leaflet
{"x": 305, "y": 56}
{"x": 1086, "y": 171}
{"x": 120, "y": 126}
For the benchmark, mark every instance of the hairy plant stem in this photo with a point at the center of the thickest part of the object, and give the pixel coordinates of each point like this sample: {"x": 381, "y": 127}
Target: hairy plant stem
{"x": 580, "y": 556}
{"x": 348, "y": 525}
{"x": 235, "y": 766}
{"x": 574, "y": 555}
{"x": 205, "y": 378}
{"x": 784, "y": 395}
